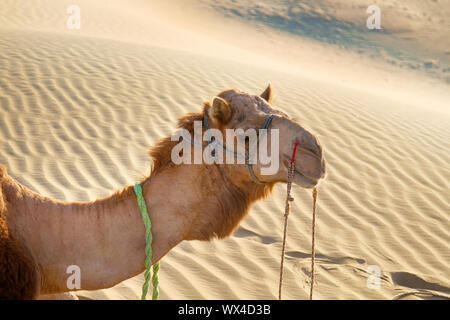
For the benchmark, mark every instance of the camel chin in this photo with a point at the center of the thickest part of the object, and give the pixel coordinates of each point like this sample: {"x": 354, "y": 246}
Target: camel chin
{"x": 303, "y": 181}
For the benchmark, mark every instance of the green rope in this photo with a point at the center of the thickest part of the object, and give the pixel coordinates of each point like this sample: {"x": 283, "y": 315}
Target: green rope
{"x": 148, "y": 248}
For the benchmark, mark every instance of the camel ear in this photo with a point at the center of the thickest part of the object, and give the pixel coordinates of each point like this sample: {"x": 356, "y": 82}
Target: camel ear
{"x": 267, "y": 94}
{"x": 220, "y": 110}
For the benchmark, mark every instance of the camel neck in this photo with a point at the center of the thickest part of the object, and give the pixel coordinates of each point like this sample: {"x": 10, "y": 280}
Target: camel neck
{"x": 105, "y": 238}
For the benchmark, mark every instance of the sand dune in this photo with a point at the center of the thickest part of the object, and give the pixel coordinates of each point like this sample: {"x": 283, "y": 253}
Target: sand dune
{"x": 79, "y": 111}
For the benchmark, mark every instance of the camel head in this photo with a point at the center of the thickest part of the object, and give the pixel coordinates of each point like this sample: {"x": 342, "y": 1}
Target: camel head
{"x": 233, "y": 109}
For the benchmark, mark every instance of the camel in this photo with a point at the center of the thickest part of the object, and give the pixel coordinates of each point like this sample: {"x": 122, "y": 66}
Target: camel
{"x": 40, "y": 237}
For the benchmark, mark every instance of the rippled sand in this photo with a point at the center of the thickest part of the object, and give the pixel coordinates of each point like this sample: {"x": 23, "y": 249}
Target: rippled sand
{"x": 78, "y": 113}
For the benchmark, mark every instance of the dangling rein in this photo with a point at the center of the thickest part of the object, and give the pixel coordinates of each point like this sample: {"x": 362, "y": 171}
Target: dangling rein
{"x": 286, "y": 215}
{"x": 148, "y": 248}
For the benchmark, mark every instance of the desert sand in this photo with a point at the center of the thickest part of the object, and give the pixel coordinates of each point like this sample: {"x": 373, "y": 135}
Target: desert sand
{"x": 80, "y": 108}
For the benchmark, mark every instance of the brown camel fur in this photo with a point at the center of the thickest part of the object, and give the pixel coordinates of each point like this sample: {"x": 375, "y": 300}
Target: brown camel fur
{"x": 40, "y": 237}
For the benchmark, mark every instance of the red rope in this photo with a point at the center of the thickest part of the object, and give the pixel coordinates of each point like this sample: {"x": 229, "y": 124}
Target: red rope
{"x": 293, "y": 152}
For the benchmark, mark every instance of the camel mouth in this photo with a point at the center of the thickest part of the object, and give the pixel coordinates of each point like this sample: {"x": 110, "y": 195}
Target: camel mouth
{"x": 303, "y": 181}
